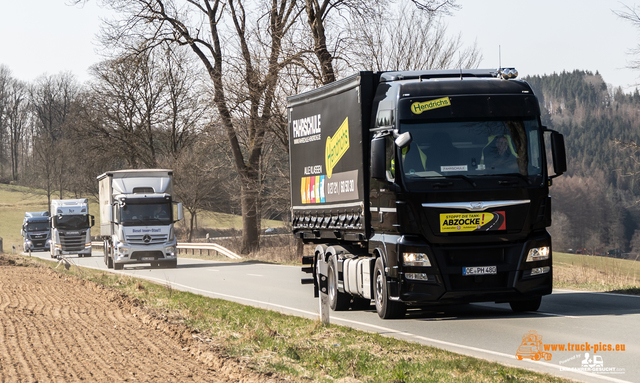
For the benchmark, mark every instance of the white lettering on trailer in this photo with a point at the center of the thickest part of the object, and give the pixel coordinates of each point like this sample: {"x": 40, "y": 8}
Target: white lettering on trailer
{"x": 307, "y": 126}
{"x": 306, "y": 129}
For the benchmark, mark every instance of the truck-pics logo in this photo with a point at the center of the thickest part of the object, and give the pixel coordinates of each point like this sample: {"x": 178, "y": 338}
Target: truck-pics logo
{"x": 337, "y": 146}
{"x": 532, "y": 347}
{"x": 419, "y": 107}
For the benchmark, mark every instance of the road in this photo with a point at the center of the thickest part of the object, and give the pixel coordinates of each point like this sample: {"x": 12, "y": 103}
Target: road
{"x": 488, "y": 331}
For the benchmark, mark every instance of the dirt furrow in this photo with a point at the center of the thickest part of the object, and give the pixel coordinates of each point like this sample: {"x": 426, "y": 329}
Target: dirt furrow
{"x": 57, "y": 328}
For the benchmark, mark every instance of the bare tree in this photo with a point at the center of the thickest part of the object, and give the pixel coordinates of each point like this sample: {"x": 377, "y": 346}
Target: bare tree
{"x": 52, "y": 98}
{"x": 326, "y": 17}
{"x": 5, "y": 79}
{"x": 18, "y": 116}
{"x": 631, "y": 14}
{"x": 403, "y": 39}
{"x": 242, "y": 56}
{"x": 197, "y": 180}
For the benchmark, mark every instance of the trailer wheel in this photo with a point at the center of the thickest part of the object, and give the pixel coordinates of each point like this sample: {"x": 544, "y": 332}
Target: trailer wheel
{"x": 337, "y": 301}
{"x": 386, "y": 308}
{"x": 532, "y": 304}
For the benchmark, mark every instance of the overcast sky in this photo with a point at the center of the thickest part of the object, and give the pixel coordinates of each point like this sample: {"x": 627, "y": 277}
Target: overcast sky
{"x": 535, "y": 37}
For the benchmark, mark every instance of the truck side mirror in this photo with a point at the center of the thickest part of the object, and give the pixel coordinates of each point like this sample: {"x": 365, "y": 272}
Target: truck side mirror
{"x": 559, "y": 153}
{"x": 402, "y": 140}
{"x": 378, "y": 153}
{"x": 110, "y": 213}
{"x": 180, "y": 212}
{"x": 93, "y": 221}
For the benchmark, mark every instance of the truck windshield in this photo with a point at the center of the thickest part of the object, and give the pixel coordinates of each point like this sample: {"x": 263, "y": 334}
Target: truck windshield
{"x": 472, "y": 149}
{"x": 38, "y": 226}
{"x": 71, "y": 222}
{"x": 146, "y": 214}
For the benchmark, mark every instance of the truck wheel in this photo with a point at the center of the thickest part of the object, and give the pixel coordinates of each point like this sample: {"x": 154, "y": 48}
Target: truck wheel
{"x": 386, "y": 308}
{"x": 337, "y": 301}
{"x": 532, "y": 304}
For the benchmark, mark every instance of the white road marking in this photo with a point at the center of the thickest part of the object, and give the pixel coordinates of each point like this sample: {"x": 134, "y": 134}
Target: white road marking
{"x": 382, "y": 330}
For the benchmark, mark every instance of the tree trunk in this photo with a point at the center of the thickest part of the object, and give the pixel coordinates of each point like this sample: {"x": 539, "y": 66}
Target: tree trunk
{"x": 193, "y": 216}
{"x": 250, "y": 236}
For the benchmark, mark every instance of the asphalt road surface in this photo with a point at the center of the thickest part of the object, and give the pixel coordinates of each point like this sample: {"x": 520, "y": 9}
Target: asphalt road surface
{"x": 577, "y": 321}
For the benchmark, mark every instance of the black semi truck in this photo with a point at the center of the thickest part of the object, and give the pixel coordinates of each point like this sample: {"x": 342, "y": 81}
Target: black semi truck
{"x": 424, "y": 187}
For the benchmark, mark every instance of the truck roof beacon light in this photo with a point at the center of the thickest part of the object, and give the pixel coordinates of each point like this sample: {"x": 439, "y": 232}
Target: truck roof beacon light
{"x": 507, "y": 73}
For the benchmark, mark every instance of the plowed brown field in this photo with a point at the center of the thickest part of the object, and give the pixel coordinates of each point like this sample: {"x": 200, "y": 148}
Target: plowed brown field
{"x": 56, "y": 328}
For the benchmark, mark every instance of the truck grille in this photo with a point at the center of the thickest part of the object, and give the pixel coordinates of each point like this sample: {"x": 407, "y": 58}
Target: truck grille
{"x": 39, "y": 243}
{"x": 147, "y": 239}
{"x": 72, "y": 242}
{"x": 454, "y": 259}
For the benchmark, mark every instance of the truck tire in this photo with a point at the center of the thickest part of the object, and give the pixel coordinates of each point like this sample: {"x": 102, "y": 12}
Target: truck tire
{"x": 532, "y": 304}
{"x": 337, "y": 301}
{"x": 386, "y": 308}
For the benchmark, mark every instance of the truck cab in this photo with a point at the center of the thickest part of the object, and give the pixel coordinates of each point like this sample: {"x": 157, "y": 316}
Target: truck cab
{"x": 460, "y": 189}
{"x": 36, "y": 232}
{"x": 71, "y": 226}
{"x": 137, "y": 218}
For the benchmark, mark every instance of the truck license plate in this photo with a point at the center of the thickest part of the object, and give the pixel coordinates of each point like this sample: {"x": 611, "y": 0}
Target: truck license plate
{"x": 480, "y": 270}
{"x": 147, "y": 259}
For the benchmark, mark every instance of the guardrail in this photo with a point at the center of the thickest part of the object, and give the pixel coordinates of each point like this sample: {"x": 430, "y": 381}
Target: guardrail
{"x": 200, "y": 247}
{"x": 208, "y": 247}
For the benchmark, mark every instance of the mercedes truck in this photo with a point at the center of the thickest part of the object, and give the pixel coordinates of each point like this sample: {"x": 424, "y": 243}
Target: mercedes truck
{"x": 424, "y": 187}
{"x": 137, "y": 216}
{"x": 70, "y": 227}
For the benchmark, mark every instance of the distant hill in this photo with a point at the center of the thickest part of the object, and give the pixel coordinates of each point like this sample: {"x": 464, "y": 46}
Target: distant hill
{"x": 595, "y": 201}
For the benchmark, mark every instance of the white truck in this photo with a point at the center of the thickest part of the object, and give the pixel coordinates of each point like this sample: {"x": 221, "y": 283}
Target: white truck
{"x": 70, "y": 227}
{"x": 137, "y": 217}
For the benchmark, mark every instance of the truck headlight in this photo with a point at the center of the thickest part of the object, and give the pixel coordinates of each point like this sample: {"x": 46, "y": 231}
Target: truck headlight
{"x": 538, "y": 254}
{"x": 416, "y": 259}
{"x": 123, "y": 250}
{"x": 170, "y": 250}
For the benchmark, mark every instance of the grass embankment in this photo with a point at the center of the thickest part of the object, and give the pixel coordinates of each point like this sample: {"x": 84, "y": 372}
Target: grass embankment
{"x": 583, "y": 272}
{"x": 302, "y": 349}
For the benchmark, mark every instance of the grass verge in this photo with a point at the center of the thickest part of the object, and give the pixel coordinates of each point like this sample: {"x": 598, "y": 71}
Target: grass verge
{"x": 302, "y": 349}
{"x": 583, "y": 272}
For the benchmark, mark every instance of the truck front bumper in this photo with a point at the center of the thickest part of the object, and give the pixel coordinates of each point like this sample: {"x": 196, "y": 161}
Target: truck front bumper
{"x": 146, "y": 254}
{"x": 58, "y": 250}
{"x": 445, "y": 281}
